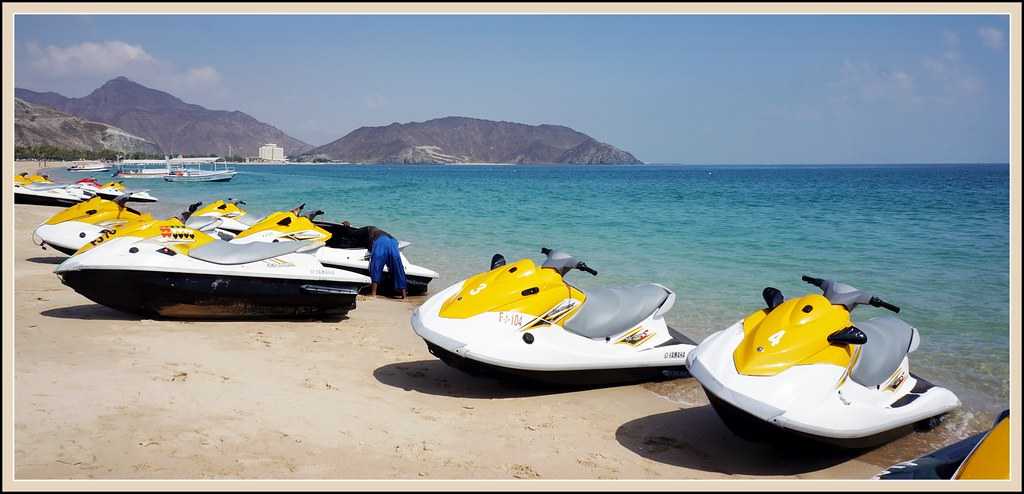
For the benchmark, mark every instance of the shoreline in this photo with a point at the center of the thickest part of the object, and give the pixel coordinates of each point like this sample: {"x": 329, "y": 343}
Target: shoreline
{"x": 356, "y": 399}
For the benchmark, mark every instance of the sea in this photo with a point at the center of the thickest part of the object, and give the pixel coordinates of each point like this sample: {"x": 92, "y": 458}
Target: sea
{"x": 932, "y": 239}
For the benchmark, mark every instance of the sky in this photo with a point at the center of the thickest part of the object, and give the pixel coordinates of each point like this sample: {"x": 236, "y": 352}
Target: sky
{"x": 730, "y": 89}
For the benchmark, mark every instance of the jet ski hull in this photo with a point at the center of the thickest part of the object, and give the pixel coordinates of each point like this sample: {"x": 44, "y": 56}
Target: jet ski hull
{"x": 132, "y": 198}
{"x": 43, "y": 200}
{"x": 752, "y": 428}
{"x": 566, "y": 378}
{"x": 211, "y": 296}
{"x": 414, "y": 285}
{"x": 63, "y": 250}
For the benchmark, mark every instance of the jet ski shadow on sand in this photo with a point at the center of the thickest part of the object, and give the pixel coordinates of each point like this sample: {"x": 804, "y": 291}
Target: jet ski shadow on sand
{"x": 695, "y": 438}
{"x": 525, "y": 323}
{"x": 434, "y": 377}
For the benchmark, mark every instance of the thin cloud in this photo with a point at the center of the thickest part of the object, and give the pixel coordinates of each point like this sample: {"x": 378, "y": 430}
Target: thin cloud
{"x": 109, "y": 59}
{"x": 991, "y": 37}
{"x": 868, "y": 83}
{"x": 88, "y": 58}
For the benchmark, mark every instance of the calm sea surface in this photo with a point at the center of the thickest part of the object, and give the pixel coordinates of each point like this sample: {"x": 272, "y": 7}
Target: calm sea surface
{"x": 931, "y": 239}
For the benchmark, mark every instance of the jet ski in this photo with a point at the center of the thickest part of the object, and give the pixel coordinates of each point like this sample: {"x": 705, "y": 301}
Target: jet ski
{"x": 233, "y": 218}
{"x": 803, "y": 369}
{"x": 983, "y": 456}
{"x": 342, "y": 249}
{"x": 71, "y": 229}
{"x": 41, "y": 191}
{"x": 164, "y": 268}
{"x": 522, "y": 321}
{"x": 110, "y": 190}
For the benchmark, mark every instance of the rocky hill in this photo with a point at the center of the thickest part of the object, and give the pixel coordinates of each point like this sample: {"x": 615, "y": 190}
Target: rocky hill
{"x": 172, "y": 124}
{"x": 38, "y": 125}
{"x": 469, "y": 140}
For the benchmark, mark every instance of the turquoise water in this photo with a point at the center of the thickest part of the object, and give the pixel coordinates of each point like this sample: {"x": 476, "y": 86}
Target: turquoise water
{"x": 931, "y": 239}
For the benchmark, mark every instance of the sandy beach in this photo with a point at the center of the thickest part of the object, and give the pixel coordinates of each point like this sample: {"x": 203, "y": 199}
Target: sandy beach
{"x": 103, "y": 394}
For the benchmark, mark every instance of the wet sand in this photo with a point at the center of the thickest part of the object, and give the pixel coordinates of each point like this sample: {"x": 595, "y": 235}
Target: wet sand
{"x": 104, "y": 394}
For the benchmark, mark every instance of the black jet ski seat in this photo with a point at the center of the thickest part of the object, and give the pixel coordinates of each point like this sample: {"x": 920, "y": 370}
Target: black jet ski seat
{"x": 609, "y": 311}
{"x": 889, "y": 340}
{"x": 221, "y": 252}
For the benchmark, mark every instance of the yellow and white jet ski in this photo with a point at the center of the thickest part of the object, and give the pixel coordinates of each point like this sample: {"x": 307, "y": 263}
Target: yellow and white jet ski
{"x": 164, "y": 268}
{"x": 802, "y": 368}
{"x": 983, "y": 456}
{"x": 341, "y": 249}
{"x": 71, "y": 229}
{"x": 521, "y": 320}
{"x": 111, "y": 190}
{"x": 41, "y": 191}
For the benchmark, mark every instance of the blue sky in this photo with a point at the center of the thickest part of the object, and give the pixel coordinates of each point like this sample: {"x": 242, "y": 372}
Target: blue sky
{"x": 681, "y": 89}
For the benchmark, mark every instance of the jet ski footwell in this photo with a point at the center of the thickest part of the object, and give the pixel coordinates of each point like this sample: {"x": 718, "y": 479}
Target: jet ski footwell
{"x": 211, "y": 296}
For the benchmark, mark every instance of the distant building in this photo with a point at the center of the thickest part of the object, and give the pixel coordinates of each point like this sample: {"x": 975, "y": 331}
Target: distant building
{"x": 271, "y": 152}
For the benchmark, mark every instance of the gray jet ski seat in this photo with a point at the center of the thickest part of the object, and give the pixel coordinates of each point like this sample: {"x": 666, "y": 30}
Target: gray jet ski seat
{"x": 221, "y": 252}
{"x": 248, "y": 220}
{"x": 889, "y": 341}
{"x": 608, "y": 311}
{"x": 201, "y": 222}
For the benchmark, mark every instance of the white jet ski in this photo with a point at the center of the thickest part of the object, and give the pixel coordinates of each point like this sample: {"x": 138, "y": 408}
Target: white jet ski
{"x": 802, "y": 368}
{"x": 76, "y": 226}
{"x": 164, "y": 268}
{"x": 41, "y": 191}
{"x": 342, "y": 249}
{"x": 111, "y": 190}
{"x": 523, "y": 321}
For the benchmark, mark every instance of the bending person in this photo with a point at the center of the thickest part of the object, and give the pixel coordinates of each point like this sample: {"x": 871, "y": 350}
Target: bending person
{"x": 383, "y": 252}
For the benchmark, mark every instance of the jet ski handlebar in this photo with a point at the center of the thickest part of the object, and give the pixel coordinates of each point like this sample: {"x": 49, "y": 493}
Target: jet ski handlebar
{"x": 842, "y": 294}
{"x": 877, "y": 302}
{"x": 582, "y": 266}
{"x": 563, "y": 262}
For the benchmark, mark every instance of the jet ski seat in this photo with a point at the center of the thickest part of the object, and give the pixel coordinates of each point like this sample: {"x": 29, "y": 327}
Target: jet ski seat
{"x": 889, "y": 341}
{"x": 201, "y": 222}
{"x": 248, "y": 220}
{"x": 608, "y": 311}
{"x": 221, "y": 252}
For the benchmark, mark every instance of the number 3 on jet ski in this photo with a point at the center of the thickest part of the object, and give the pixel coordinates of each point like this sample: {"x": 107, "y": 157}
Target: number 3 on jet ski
{"x": 523, "y": 320}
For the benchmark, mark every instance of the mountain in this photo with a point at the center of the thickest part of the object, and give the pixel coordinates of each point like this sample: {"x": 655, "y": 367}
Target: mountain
{"x": 469, "y": 140}
{"x": 175, "y": 126}
{"x": 38, "y": 125}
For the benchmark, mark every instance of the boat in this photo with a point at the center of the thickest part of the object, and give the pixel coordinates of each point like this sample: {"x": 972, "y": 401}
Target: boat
{"x": 88, "y": 167}
{"x": 178, "y": 171}
{"x": 341, "y": 248}
{"x": 163, "y": 268}
{"x": 803, "y": 371}
{"x": 521, "y": 321}
{"x": 983, "y": 456}
{"x": 141, "y": 169}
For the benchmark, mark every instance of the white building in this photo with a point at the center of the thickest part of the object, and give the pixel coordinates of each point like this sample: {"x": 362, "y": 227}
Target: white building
{"x": 271, "y": 152}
